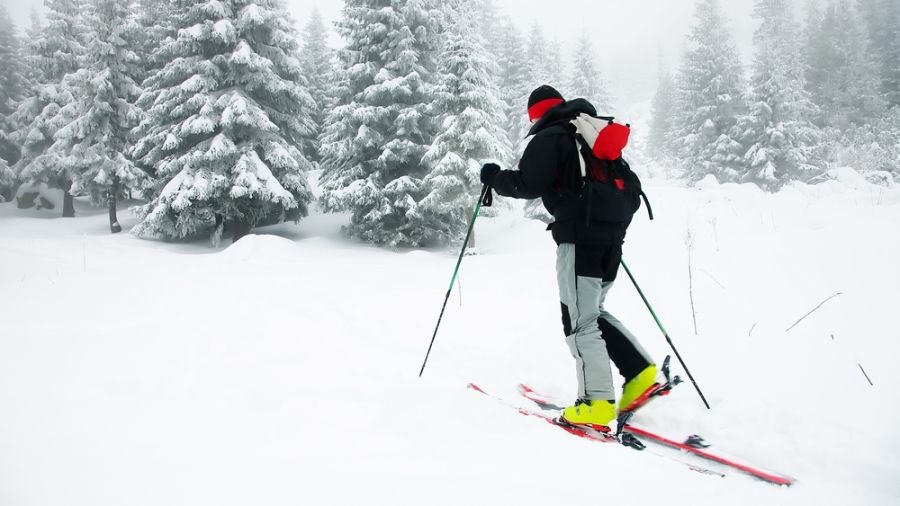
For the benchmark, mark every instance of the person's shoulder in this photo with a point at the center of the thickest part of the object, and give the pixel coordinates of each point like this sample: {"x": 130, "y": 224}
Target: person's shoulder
{"x": 558, "y": 128}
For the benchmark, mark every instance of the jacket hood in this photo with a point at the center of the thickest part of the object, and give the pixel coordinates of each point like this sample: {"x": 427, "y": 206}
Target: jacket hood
{"x": 563, "y": 113}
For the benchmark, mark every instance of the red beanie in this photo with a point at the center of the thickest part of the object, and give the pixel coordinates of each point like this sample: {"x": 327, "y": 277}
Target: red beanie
{"x": 542, "y": 100}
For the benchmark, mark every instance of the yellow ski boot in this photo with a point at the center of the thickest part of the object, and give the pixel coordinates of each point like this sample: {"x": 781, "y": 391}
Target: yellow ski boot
{"x": 591, "y": 414}
{"x": 638, "y": 389}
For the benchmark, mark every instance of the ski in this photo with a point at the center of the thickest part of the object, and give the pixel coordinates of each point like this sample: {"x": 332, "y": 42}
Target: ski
{"x": 693, "y": 444}
{"x": 658, "y": 390}
{"x": 625, "y": 439}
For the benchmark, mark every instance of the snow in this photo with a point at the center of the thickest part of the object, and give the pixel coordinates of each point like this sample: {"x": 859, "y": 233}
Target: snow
{"x": 141, "y": 372}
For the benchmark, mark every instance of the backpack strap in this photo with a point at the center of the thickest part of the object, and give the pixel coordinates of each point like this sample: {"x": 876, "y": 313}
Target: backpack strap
{"x": 647, "y": 202}
{"x": 581, "y": 161}
{"x": 579, "y": 140}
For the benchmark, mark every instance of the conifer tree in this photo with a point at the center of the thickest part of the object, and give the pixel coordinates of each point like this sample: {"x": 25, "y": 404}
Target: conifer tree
{"x": 380, "y": 128}
{"x": 663, "y": 112}
{"x": 556, "y": 69}
{"x": 224, "y": 120}
{"x": 512, "y": 80}
{"x": 94, "y": 140}
{"x": 13, "y": 86}
{"x": 778, "y": 130}
{"x": 586, "y": 80}
{"x": 317, "y": 62}
{"x": 882, "y": 17}
{"x": 156, "y": 19}
{"x": 7, "y": 181}
{"x": 891, "y": 79}
{"x": 538, "y": 54}
{"x": 57, "y": 53}
{"x": 470, "y": 131}
{"x": 35, "y": 24}
{"x": 841, "y": 75}
{"x": 710, "y": 90}
{"x": 537, "y": 63}
{"x": 32, "y": 34}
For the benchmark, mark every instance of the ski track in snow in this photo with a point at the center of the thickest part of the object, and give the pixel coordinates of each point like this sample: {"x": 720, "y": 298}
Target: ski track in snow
{"x": 283, "y": 369}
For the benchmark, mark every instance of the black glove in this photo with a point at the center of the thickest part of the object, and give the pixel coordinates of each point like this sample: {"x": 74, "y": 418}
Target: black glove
{"x": 489, "y": 172}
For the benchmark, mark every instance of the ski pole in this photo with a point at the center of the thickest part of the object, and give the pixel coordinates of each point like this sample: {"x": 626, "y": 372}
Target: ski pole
{"x": 669, "y": 339}
{"x": 486, "y": 198}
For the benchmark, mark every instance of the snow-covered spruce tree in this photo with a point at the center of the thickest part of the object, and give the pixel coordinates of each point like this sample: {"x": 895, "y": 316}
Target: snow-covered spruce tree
{"x": 379, "y": 129}
{"x": 223, "y": 123}
{"x": 783, "y": 142}
{"x": 882, "y": 17}
{"x": 891, "y": 73}
{"x": 93, "y": 143}
{"x": 663, "y": 112}
{"x": 470, "y": 120}
{"x": 13, "y": 86}
{"x": 556, "y": 68}
{"x": 538, "y": 53}
{"x": 585, "y": 79}
{"x": 710, "y": 89}
{"x": 317, "y": 64}
{"x": 32, "y": 35}
{"x": 537, "y": 61}
{"x": 7, "y": 181}
{"x": 157, "y": 21}
{"x": 841, "y": 75}
{"x": 508, "y": 49}
{"x": 56, "y": 53}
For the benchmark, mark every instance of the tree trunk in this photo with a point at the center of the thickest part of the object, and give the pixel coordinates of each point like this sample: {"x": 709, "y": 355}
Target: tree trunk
{"x": 240, "y": 228}
{"x": 68, "y": 200}
{"x": 114, "y": 226}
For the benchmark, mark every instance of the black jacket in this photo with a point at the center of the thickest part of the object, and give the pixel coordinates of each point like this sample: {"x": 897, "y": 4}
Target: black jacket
{"x": 549, "y": 157}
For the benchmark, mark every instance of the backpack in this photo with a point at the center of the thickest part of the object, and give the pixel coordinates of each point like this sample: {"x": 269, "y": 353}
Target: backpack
{"x": 610, "y": 191}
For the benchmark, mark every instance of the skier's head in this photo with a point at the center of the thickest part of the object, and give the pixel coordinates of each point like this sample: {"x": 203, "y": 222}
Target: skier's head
{"x": 542, "y": 100}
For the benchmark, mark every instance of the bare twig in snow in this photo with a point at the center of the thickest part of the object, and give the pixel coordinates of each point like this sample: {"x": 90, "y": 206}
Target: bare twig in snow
{"x": 813, "y": 310}
{"x": 715, "y": 234}
{"x": 710, "y": 276}
{"x": 751, "y": 329}
{"x": 866, "y": 375}
{"x": 689, "y": 241}
{"x": 858, "y": 364}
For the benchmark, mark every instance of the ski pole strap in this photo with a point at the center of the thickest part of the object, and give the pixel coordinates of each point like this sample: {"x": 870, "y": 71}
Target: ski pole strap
{"x": 487, "y": 196}
{"x": 649, "y": 209}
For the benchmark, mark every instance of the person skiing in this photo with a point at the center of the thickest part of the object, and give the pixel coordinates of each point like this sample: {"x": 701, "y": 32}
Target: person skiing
{"x": 587, "y": 260}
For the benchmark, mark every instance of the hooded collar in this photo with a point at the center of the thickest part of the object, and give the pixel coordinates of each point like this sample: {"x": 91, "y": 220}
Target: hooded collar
{"x": 564, "y": 112}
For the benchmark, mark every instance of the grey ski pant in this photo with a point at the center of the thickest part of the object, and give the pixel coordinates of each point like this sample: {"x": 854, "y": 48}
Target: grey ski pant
{"x": 580, "y": 272}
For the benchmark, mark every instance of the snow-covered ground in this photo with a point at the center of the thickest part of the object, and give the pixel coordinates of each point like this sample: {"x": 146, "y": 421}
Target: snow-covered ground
{"x": 283, "y": 370}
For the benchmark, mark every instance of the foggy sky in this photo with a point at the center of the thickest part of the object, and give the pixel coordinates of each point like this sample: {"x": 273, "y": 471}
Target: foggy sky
{"x": 630, "y": 35}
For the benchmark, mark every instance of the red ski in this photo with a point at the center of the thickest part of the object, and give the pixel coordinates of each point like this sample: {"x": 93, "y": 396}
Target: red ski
{"x": 593, "y": 435}
{"x": 693, "y": 444}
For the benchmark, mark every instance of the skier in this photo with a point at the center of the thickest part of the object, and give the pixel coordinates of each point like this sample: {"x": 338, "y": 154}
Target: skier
{"x": 587, "y": 260}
